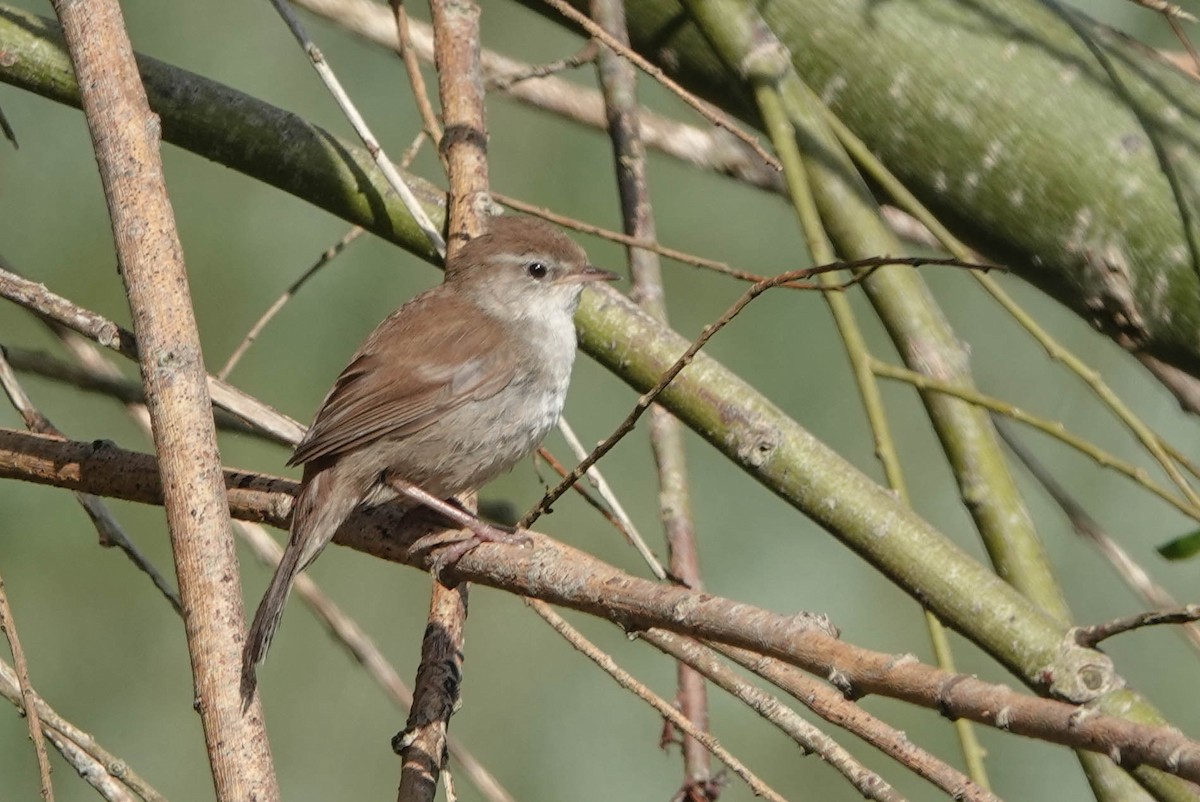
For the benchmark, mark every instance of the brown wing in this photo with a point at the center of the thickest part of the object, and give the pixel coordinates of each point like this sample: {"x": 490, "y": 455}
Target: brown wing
{"x": 428, "y": 357}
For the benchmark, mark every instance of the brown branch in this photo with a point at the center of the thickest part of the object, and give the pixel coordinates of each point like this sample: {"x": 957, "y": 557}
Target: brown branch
{"x": 558, "y": 574}
{"x": 835, "y": 708}
{"x": 464, "y": 140}
{"x": 618, "y": 82}
{"x": 126, "y": 139}
{"x": 811, "y": 740}
{"x": 1165, "y": 8}
{"x": 1184, "y": 386}
{"x": 665, "y": 709}
{"x": 38, "y": 299}
{"x": 33, "y": 719}
{"x": 422, "y": 744}
{"x": 707, "y": 148}
{"x": 417, "y": 81}
{"x": 463, "y": 146}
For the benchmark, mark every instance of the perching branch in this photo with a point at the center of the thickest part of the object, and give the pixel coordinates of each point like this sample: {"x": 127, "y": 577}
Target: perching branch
{"x": 558, "y": 574}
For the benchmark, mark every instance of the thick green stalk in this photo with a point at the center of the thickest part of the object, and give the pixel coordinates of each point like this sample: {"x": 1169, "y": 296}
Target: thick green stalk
{"x": 766, "y": 74}
{"x": 1004, "y": 122}
{"x": 907, "y": 309}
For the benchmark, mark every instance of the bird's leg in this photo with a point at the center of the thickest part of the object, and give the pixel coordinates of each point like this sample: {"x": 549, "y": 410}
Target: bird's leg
{"x": 481, "y": 530}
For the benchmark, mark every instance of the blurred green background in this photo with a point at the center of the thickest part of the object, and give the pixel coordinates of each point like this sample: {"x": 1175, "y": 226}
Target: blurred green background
{"x": 109, "y": 654}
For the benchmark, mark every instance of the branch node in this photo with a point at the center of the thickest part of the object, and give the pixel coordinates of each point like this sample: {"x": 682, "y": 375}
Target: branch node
{"x": 840, "y": 680}
{"x": 1079, "y": 716}
{"x": 1079, "y": 675}
{"x": 768, "y": 62}
{"x": 945, "y": 691}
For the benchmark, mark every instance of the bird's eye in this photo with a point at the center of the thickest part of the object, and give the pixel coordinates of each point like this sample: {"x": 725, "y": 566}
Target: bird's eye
{"x": 537, "y": 269}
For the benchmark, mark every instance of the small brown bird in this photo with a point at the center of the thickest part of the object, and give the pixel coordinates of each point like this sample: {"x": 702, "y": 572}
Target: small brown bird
{"x": 452, "y": 389}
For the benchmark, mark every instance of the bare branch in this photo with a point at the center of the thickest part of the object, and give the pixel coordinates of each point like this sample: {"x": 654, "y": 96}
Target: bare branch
{"x": 665, "y": 708}
{"x": 360, "y": 126}
{"x": 1091, "y": 636}
{"x": 106, "y": 772}
{"x": 33, "y": 719}
{"x": 558, "y": 574}
{"x": 126, "y": 139}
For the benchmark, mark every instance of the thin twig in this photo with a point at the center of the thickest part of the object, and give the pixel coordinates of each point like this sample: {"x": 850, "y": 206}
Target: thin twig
{"x": 585, "y": 55}
{"x": 1092, "y": 635}
{"x": 647, "y": 398}
{"x": 591, "y": 500}
{"x": 113, "y": 767}
{"x": 665, "y": 708}
{"x": 1134, "y": 576}
{"x": 628, "y": 528}
{"x": 808, "y": 737}
{"x": 415, "y": 79}
{"x": 618, "y": 83}
{"x": 831, "y": 705}
{"x": 633, "y": 242}
{"x": 109, "y": 529}
{"x": 1053, "y": 428}
{"x": 360, "y": 126}
{"x": 715, "y": 117}
{"x": 33, "y": 719}
{"x": 332, "y": 252}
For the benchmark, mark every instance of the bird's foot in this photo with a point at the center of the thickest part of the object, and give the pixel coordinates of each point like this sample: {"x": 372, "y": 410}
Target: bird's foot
{"x": 480, "y": 532}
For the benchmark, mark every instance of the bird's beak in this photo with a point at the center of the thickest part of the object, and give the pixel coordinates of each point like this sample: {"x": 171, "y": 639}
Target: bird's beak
{"x": 588, "y": 274}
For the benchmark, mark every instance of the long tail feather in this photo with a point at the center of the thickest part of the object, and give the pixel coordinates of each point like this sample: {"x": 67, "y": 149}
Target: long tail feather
{"x": 324, "y": 503}
{"x": 266, "y": 620}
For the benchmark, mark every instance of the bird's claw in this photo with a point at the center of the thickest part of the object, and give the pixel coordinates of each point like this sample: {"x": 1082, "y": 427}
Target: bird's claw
{"x": 449, "y": 555}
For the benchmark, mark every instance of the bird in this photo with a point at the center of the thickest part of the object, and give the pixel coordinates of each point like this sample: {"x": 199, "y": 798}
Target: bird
{"x": 450, "y": 390}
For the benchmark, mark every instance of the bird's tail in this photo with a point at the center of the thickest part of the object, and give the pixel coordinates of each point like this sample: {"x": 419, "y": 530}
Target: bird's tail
{"x": 267, "y": 618}
{"x": 319, "y": 511}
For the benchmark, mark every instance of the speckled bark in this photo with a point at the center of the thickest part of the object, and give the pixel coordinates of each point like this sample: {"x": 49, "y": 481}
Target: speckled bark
{"x": 126, "y": 139}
